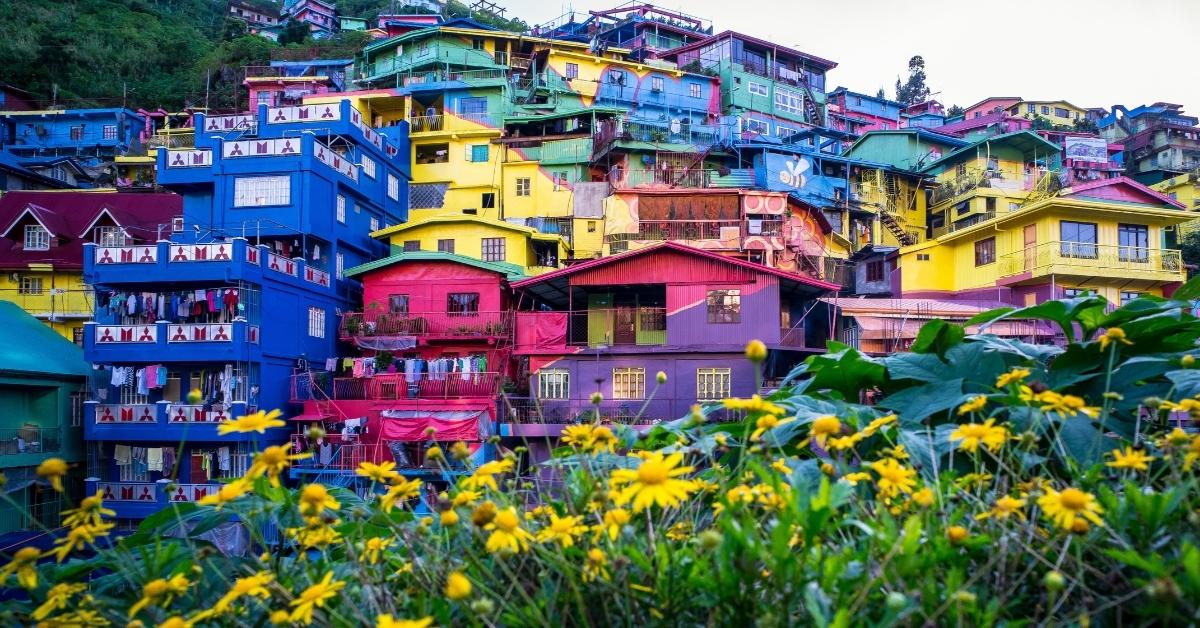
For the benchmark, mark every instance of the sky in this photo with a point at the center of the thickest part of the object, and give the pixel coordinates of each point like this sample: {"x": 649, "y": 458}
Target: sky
{"x": 1094, "y": 53}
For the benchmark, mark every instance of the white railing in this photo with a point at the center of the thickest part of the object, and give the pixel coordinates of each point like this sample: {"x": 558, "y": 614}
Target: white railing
{"x": 183, "y": 413}
{"x": 123, "y": 334}
{"x": 147, "y": 254}
{"x": 126, "y": 414}
{"x": 201, "y": 252}
{"x": 208, "y": 332}
{"x": 195, "y": 158}
{"x": 281, "y": 264}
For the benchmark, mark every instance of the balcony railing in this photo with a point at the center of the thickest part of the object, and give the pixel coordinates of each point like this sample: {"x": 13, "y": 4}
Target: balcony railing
{"x": 792, "y": 337}
{"x": 30, "y": 439}
{"x": 531, "y": 410}
{"x": 650, "y": 177}
{"x": 999, "y": 178}
{"x": 451, "y": 122}
{"x": 1093, "y": 259}
{"x": 321, "y": 386}
{"x": 266, "y": 71}
{"x": 444, "y": 75}
{"x": 444, "y": 324}
{"x": 688, "y": 229}
{"x": 617, "y": 326}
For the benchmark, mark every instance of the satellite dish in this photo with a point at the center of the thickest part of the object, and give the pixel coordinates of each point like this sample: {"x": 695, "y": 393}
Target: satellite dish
{"x": 675, "y": 125}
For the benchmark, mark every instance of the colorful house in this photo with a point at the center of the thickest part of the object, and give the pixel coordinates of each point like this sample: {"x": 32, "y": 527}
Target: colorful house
{"x": 532, "y": 250}
{"x": 989, "y": 105}
{"x": 255, "y": 17}
{"x": 858, "y": 113}
{"x": 287, "y": 83}
{"x": 1057, "y": 112}
{"x": 42, "y": 383}
{"x": 92, "y": 136}
{"x": 1159, "y": 140}
{"x": 923, "y": 115}
{"x": 1185, "y": 189}
{"x": 986, "y": 125}
{"x": 319, "y": 15}
{"x": 643, "y": 29}
{"x": 42, "y": 247}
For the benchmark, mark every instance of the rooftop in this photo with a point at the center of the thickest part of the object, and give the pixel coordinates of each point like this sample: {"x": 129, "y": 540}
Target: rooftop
{"x": 825, "y": 64}
{"x": 511, "y": 272}
{"x": 29, "y": 346}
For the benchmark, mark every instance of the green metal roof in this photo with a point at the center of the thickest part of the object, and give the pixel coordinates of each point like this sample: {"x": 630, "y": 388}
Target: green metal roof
{"x": 510, "y": 271}
{"x": 541, "y": 117}
{"x": 1024, "y": 141}
{"x": 28, "y": 346}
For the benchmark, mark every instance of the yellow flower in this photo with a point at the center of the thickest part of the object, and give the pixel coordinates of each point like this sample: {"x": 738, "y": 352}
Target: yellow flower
{"x": 878, "y": 424}
{"x": 382, "y": 473}
{"x": 844, "y": 442}
{"x": 756, "y": 351}
{"x": 924, "y": 497}
{"x": 271, "y": 462}
{"x": 854, "y": 478}
{"x": 1113, "y": 335}
{"x": 1005, "y": 507}
{"x": 753, "y": 405}
{"x": 160, "y": 592}
{"x": 465, "y": 498}
{"x": 54, "y": 470}
{"x": 386, "y": 621}
{"x": 448, "y": 518}
{"x": 1013, "y": 376}
{"x": 485, "y": 474}
{"x": 596, "y": 566}
{"x": 434, "y": 453}
{"x": 824, "y": 427}
{"x": 977, "y": 403}
{"x": 79, "y": 537}
{"x": 1065, "y": 405}
{"x": 767, "y": 422}
{"x": 957, "y": 534}
{"x": 24, "y": 564}
{"x": 971, "y": 480}
{"x": 400, "y": 490}
{"x": 1130, "y": 458}
{"x": 258, "y": 422}
{"x": 680, "y": 531}
{"x": 460, "y": 451}
{"x": 315, "y": 498}
{"x": 57, "y": 598}
{"x": 250, "y": 586}
{"x": 457, "y": 585}
{"x": 614, "y": 520}
{"x": 898, "y": 452}
{"x": 91, "y": 510}
{"x": 561, "y": 530}
{"x": 973, "y": 434}
{"x": 590, "y": 438}
{"x": 176, "y": 621}
{"x": 313, "y": 597}
{"x": 1175, "y": 438}
{"x": 278, "y": 617}
{"x": 1064, "y": 508}
{"x": 507, "y": 533}
{"x": 316, "y": 534}
{"x": 655, "y": 481}
{"x": 372, "y": 549}
{"x": 893, "y": 478}
{"x": 227, "y": 493}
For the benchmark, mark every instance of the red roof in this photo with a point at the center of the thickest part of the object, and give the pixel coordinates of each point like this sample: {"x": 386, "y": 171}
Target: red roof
{"x": 70, "y": 215}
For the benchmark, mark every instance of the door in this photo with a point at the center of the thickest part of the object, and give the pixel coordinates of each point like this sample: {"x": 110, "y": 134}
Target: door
{"x": 625, "y": 325}
{"x": 1030, "y": 246}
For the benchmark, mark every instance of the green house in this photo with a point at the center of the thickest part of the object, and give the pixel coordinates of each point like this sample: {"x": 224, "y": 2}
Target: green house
{"x": 42, "y": 377}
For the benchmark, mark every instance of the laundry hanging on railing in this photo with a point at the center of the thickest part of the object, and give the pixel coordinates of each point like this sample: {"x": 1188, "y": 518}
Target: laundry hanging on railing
{"x": 219, "y": 305}
{"x": 446, "y": 425}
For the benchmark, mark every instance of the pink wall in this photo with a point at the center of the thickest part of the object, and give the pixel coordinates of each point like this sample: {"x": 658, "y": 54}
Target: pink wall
{"x": 428, "y": 283}
{"x": 989, "y": 106}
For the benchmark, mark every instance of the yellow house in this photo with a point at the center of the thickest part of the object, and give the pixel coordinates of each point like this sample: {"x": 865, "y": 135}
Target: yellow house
{"x": 1005, "y": 231}
{"x": 482, "y": 238}
{"x": 1056, "y": 111}
{"x": 1184, "y": 188}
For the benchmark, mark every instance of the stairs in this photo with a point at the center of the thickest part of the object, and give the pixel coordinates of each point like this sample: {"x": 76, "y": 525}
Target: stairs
{"x": 810, "y": 107}
{"x": 891, "y": 222}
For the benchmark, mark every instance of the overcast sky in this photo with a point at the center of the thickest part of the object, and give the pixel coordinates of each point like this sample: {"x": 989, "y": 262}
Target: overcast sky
{"x": 1094, "y": 53}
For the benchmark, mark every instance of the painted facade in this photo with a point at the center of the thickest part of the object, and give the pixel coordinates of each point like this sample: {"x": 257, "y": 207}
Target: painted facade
{"x": 92, "y": 136}
{"x": 1159, "y": 140}
{"x": 532, "y": 250}
{"x": 1057, "y": 112}
{"x": 858, "y": 113}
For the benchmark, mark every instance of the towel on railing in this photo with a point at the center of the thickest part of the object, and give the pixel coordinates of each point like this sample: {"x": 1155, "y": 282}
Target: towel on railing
{"x": 154, "y": 459}
{"x": 122, "y": 454}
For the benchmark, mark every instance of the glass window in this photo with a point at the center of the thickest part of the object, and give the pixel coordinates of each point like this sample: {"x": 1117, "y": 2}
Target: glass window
{"x": 474, "y": 106}
{"x": 368, "y": 166}
{"x": 77, "y": 133}
{"x": 477, "y": 43}
{"x": 110, "y": 132}
{"x": 340, "y": 265}
{"x": 523, "y": 186}
{"x": 30, "y": 285}
{"x": 788, "y": 101}
{"x": 316, "y": 322}
{"x": 477, "y": 153}
{"x": 629, "y": 383}
{"x": 462, "y": 303}
{"x": 656, "y": 83}
{"x": 433, "y": 153}
{"x": 393, "y": 187}
{"x": 694, "y": 90}
{"x": 1061, "y": 113}
{"x": 262, "y": 191}
{"x": 713, "y": 383}
{"x": 446, "y": 246}
{"x": 1129, "y": 295}
{"x": 488, "y": 200}
{"x": 1031, "y": 108}
{"x": 398, "y": 304}
{"x": 572, "y": 71}
{"x": 36, "y": 238}
{"x": 1134, "y": 243}
{"x": 374, "y": 224}
{"x": 1045, "y": 110}
{"x": 110, "y": 236}
{"x": 724, "y": 306}
{"x": 554, "y": 384}
{"x": 1071, "y": 293}
{"x": 493, "y": 249}
{"x": 985, "y": 251}
{"x": 1078, "y": 239}
{"x": 875, "y": 271}
{"x": 412, "y": 246}
{"x": 341, "y": 209}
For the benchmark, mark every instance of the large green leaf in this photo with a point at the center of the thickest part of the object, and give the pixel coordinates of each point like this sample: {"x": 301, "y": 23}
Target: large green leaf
{"x": 937, "y": 336}
{"x": 1188, "y": 291}
{"x": 1186, "y": 381}
{"x": 847, "y": 372}
{"x": 914, "y": 405}
{"x": 1065, "y": 313}
{"x": 1084, "y": 442}
{"x": 926, "y": 447}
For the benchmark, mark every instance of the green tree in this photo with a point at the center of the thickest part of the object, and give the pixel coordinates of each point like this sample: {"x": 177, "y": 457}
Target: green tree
{"x": 1084, "y": 125}
{"x": 294, "y": 32}
{"x": 913, "y": 90}
{"x": 955, "y": 110}
{"x": 880, "y": 93}
{"x": 1190, "y": 250}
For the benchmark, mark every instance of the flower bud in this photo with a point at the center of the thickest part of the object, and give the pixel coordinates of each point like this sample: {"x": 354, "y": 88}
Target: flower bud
{"x": 710, "y": 539}
{"x": 896, "y": 601}
{"x": 661, "y": 378}
{"x": 957, "y": 534}
{"x": 1054, "y": 581}
{"x": 756, "y": 351}
{"x": 1187, "y": 361}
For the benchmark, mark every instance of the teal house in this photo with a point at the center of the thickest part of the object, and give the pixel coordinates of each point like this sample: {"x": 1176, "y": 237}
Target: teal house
{"x": 42, "y": 377}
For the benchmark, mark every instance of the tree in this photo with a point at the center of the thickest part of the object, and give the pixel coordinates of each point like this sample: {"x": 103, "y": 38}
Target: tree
{"x": 914, "y": 89}
{"x": 294, "y": 32}
{"x": 1189, "y": 248}
{"x": 880, "y": 93}
{"x": 233, "y": 29}
{"x": 955, "y": 110}
{"x": 1084, "y": 125}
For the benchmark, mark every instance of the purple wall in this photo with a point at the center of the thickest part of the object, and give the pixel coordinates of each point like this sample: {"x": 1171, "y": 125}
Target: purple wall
{"x": 687, "y": 316}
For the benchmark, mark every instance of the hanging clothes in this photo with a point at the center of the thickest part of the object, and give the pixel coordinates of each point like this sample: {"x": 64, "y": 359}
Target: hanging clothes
{"x": 154, "y": 459}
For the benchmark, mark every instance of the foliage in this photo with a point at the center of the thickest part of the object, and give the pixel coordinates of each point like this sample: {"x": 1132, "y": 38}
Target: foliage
{"x": 955, "y": 110}
{"x": 295, "y": 32}
{"x": 913, "y": 90}
{"x": 1085, "y": 125}
{"x": 996, "y": 481}
{"x": 1189, "y": 248}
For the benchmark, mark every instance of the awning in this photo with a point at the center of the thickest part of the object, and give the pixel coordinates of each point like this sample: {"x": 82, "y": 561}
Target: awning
{"x": 882, "y": 327}
{"x": 414, "y": 425}
{"x": 311, "y": 417}
{"x": 386, "y": 343}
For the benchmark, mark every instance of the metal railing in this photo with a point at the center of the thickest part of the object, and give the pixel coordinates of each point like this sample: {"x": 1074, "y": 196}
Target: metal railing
{"x": 322, "y": 386}
{"x": 445, "y": 324}
{"x": 617, "y": 326}
{"x": 685, "y": 229}
{"x": 444, "y": 74}
{"x": 531, "y": 410}
{"x": 451, "y": 122}
{"x": 266, "y": 71}
{"x": 675, "y": 177}
{"x": 1090, "y": 258}
{"x": 30, "y": 439}
{"x": 791, "y": 337}
{"x": 1000, "y": 178}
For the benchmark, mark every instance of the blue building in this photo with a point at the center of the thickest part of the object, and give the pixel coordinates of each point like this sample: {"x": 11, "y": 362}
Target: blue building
{"x": 91, "y": 136}
{"x": 246, "y": 289}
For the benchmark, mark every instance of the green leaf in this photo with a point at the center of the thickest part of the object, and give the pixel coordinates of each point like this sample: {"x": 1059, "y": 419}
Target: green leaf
{"x": 847, "y": 372}
{"x": 1064, "y": 312}
{"x": 1186, "y": 381}
{"x": 914, "y": 404}
{"x": 1188, "y": 291}
{"x": 1084, "y": 442}
{"x": 988, "y": 316}
{"x": 938, "y": 336}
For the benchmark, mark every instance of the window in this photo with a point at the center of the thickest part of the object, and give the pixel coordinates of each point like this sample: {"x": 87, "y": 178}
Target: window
{"x": 572, "y": 71}
{"x": 1128, "y": 295}
{"x": 788, "y": 101}
{"x": 1031, "y": 108}
{"x": 985, "y": 251}
{"x": 477, "y": 43}
{"x": 712, "y": 384}
{"x": 36, "y": 238}
{"x": 656, "y": 83}
{"x": 724, "y": 306}
{"x": 110, "y": 236}
{"x": 433, "y": 153}
{"x": 488, "y": 200}
{"x": 493, "y": 249}
{"x": 446, "y": 246}
{"x": 77, "y": 132}
{"x": 412, "y": 246}
{"x": 875, "y": 271}
{"x": 341, "y": 209}
{"x": 477, "y": 153}
{"x": 629, "y": 383}
{"x": 393, "y": 187}
{"x": 922, "y": 257}
{"x": 462, "y": 303}
{"x": 1134, "y": 243}
{"x": 756, "y": 126}
{"x": 470, "y": 211}
{"x": 523, "y": 187}
{"x": 475, "y": 107}
{"x": 110, "y": 132}
{"x": 554, "y": 384}
{"x": 1072, "y": 293}
{"x": 340, "y": 265}
{"x": 694, "y": 90}
{"x": 30, "y": 285}
{"x": 1078, "y": 239}
{"x": 1059, "y": 112}
{"x": 316, "y": 322}
{"x": 591, "y": 226}
{"x": 1045, "y": 110}
{"x": 617, "y": 77}
{"x": 260, "y": 191}
{"x": 978, "y": 114}
{"x": 757, "y": 89}
{"x": 398, "y": 304}
{"x": 989, "y": 203}
{"x": 368, "y": 166}
{"x": 784, "y": 131}
{"x": 374, "y": 224}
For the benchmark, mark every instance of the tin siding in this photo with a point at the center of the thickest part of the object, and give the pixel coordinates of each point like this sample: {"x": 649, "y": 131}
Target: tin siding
{"x": 663, "y": 267}
{"x": 687, "y": 315}
{"x": 428, "y": 283}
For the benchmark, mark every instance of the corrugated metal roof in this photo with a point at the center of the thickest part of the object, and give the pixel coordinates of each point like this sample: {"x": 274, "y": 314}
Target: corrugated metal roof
{"x": 910, "y": 307}
{"x": 510, "y": 271}
{"x": 29, "y": 346}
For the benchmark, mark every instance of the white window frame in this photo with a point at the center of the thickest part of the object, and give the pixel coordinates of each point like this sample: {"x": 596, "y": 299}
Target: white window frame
{"x": 270, "y": 191}
{"x": 109, "y": 132}
{"x": 628, "y": 383}
{"x": 758, "y": 89}
{"x": 316, "y": 322}
{"x": 788, "y": 100}
{"x": 31, "y": 285}
{"x": 368, "y": 166}
{"x": 470, "y": 153}
{"x": 524, "y": 186}
{"x": 341, "y": 209}
{"x": 713, "y": 383}
{"x": 694, "y": 90}
{"x": 37, "y": 238}
{"x": 657, "y": 84}
{"x": 109, "y": 236}
{"x": 374, "y": 224}
{"x": 340, "y": 264}
{"x": 393, "y": 190}
{"x": 554, "y": 384}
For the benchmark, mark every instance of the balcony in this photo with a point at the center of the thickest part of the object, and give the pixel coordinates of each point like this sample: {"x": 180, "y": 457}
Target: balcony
{"x": 694, "y": 136}
{"x": 29, "y": 440}
{"x": 311, "y": 73}
{"x": 534, "y": 411}
{"x": 161, "y": 421}
{"x": 452, "y": 123}
{"x": 437, "y": 79}
{"x": 322, "y": 386}
{"x": 171, "y": 341}
{"x": 1092, "y": 260}
{"x": 1008, "y": 179}
{"x": 631, "y": 178}
{"x": 137, "y": 500}
{"x": 429, "y": 326}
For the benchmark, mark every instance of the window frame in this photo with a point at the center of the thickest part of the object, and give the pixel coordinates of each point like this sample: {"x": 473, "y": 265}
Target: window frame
{"x": 758, "y": 89}
{"x": 445, "y": 245}
{"x": 985, "y": 251}
{"x": 393, "y": 183}
{"x": 1138, "y": 253}
{"x": 723, "y": 306}
{"x": 695, "y": 91}
{"x": 340, "y": 212}
{"x": 41, "y": 241}
{"x": 571, "y": 71}
{"x": 31, "y": 285}
{"x": 340, "y": 264}
{"x": 316, "y": 322}
{"x": 632, "y": 381}
{"x": 272, "y": 190}
{"x": 109, "y": 132}
{"x": 493, "y": 249}
{"x": 411, "y": 246}
{"x": 554, "y": 383}
{"x": 368, "y": 166}
{"x": 714, "y": 383}
{"x": 875, "y": 270}
{"x": 657, "y": 84}
{"x": 398, "y": 304}
{"x": 1078, "y": 248}
{"x": 524, "y": 186}
{"x": 107, "y": 235}
{"x": 462, "y": 307}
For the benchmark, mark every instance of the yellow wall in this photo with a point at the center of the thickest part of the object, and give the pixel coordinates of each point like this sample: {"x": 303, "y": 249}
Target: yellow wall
{"x": 70, "y": 309}
{"x": 1184, "y": 188}
{"x": 1073, "y": 113}
{"x": 468, "y": 241}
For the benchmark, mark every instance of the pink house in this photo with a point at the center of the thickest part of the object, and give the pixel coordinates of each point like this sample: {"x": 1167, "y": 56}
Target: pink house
{"x": 990, "y": 105}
